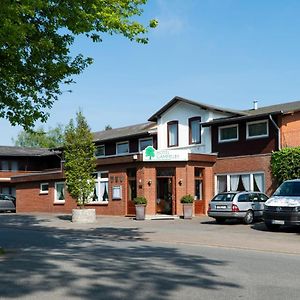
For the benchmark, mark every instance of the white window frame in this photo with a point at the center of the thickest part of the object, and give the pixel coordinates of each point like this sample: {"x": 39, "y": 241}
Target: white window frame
{"x": 98, "y": 181}
{"x": 104, "y": 150}
{"x": 145, "y": 139}
{"x": 56, "y": 200}
{"x": 240, "y": 173}
{"x": 228, "y": 140}
{"x": 41, "y": 188}
{"x": 257, "y": 136}
{"x": 119, "y": 143}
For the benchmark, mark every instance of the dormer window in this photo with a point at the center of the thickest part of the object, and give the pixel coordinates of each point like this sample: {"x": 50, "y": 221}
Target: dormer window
{"x": 100, "y": 151}
{"x": 228, "y": 133}
{"x": 173, "y": 134}
{"x": 122, "y": 148}
{"x": 144, "y": 143}
{"x": 257, "y": 129}
{"x": 195, "y": 130}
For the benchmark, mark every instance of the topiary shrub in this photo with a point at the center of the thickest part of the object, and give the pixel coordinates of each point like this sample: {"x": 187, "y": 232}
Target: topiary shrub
{"x": 285, "y": 164}
{"x": 187, "y": 199}
{"x": 140, "y": 200}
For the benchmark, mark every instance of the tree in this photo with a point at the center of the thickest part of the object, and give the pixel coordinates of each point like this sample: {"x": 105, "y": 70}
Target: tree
{"x": 80, "y": 161}
{"x": 35, "y": 40}
{"x": 285, "y": 164}
{"x": 107, "y": 127}
{"x": 52, "y": 138}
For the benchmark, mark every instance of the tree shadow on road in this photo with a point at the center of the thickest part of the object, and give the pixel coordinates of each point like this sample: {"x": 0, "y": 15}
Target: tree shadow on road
{"x": 98, "y": 263}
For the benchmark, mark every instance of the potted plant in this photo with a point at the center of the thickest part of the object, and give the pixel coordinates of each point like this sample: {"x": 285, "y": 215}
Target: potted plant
{"x": 140, "y": 207}
{"x": 187, "y": 203}
{"x": 80, "y": 163}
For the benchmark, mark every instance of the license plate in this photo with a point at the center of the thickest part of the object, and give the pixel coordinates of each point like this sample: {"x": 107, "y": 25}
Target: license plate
{"x": 221, "y": 206}
{"x": 279, "y": 222}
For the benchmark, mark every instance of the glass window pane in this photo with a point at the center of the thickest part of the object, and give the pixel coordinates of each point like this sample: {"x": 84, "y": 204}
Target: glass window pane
{"x": 198, "y": 189}
{"x": 100, "y": 151}
{"x": 60, "y": 195}
{"x": 228, "y": 133}
{"x": 257, "y": 129}
{"x": 222, "y": 183}
{"x": 103, "y": 195}
{"x": 144, "y": 143}
{"x": 122, "y": 148}
{"x": 195, "y": 131}
{"x": 173, "y": 129}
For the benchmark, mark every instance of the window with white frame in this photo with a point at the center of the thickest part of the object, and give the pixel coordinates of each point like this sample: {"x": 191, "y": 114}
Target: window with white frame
{"x": 122, "y": 148}
{"x": 100, "y": 194}
{"x": 44, "y": 188}
{"x": 100, "y": 151}
{"x": 257, "y": 129}
{"x": 172, "y": 133}
{"x": 240, "y": 182}
{"x": 59, "y": 194}
{"x": 228, "y": 133}
{"x": 144, "y": 143}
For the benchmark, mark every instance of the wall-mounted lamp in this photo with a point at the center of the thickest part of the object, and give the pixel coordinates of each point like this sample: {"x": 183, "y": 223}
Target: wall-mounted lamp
{"x": 140, "y": 183}
{"x": 180, "y": 182}
{"x": 149, "y": 182}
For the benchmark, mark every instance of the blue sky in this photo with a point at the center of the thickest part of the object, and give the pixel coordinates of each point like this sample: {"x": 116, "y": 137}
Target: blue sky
{"x": 221, "y": 52}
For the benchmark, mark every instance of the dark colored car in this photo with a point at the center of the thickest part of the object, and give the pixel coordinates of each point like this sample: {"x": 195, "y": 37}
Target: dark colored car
{"x": 283, "y": 208}
{"x": 7, "y": 203}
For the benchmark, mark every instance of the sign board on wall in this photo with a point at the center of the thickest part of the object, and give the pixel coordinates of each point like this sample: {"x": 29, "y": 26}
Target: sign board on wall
{"x": 151, "y": 154}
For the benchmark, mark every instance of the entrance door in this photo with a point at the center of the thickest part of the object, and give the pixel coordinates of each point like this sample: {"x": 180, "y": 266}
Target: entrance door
{"x": 164, "y": 196}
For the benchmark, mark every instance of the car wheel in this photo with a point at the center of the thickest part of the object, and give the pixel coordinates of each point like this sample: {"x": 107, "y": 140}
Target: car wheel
{"x": 249, "y": 217}
{"x": 220, "y": 220}
{"x": 272, "y": 227}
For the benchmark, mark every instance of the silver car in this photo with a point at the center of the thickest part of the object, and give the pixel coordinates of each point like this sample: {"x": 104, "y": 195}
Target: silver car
{"x": 7, "y": 203}
{"x": 237, "y": 205}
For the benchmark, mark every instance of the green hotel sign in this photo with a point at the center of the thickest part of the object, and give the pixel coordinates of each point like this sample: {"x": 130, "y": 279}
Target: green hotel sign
{"x": 151, "y": 154}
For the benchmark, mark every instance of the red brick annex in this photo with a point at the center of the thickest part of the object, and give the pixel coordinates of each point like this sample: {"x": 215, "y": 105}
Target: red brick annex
{"x": 186, "y": 147}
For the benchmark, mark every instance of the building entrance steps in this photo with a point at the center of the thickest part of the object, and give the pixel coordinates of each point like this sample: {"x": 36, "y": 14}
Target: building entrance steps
{"x": 162, "y": 217}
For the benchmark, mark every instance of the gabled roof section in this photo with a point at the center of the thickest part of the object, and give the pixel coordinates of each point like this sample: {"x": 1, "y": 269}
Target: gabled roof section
{"x": 249, "y": 114}
{"x": 125, "y": 132}
{"x": 25, "y": 151}
{"x": 288, "y": 107}
{"x": 177, "y": 99}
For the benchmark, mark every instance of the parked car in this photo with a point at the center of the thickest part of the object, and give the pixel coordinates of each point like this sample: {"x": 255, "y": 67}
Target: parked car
{"x": 237, "y": 205}
{"x": 7, "y": 203}
{"x": 283, "y": 208}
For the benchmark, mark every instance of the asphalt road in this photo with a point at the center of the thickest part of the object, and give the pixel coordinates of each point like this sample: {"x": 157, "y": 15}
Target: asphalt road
{"x": 50, "y": 258}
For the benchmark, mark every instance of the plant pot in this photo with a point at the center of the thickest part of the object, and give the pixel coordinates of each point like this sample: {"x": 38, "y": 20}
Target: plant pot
{"x": 187, "y": 210}
{"x": 140, "y": 210}
{"x": 84, "y": 215}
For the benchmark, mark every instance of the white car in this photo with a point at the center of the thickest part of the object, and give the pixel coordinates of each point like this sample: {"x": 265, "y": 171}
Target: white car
{"x": 283, "y": 208}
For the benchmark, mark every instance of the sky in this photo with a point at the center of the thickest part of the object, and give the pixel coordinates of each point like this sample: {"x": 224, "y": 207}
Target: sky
{"x": 225, "y": 53}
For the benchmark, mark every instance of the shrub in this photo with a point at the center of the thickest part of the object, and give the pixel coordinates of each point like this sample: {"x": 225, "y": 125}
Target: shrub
{"x": 187, "y": 199}
{"x": 140, "y": 200}
{"x": 285, "y": 164}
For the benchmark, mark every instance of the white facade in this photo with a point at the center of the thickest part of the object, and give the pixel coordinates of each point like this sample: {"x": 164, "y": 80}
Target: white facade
{"x": 182, "y": 112}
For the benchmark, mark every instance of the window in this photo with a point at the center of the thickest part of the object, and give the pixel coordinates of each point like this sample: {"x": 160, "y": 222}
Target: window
{"x": 100, "y": 194}
{"x": 241, "y": 182}
{"x": 198, "y": 184}
{"x": 100, "y": 151}
{"x": 132, "y": 190}
{"x": 122, "y": 148}
{"x": 59, "y": 194}
{"x": 173, "y": 134}
{"x": 257, "y": 129}
{"x": 228, "y": 133}
{"x": 144, "y": 143}
{"x": 195, "y": 130}
{"x": 7, "y": 165}
{"x": 44, "y": 188}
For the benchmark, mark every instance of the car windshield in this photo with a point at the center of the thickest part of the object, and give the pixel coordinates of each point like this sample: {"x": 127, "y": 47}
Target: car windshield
{"x": 288, "y": 188}
{"x": 224, "y": 197}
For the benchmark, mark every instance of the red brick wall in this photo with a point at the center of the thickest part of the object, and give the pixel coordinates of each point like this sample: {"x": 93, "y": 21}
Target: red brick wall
{"x": 290, "y": 130}
{"x": 244, "y": 164}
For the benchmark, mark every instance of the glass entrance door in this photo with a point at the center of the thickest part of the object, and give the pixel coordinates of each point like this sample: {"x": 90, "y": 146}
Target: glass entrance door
{"x": 164, "y": 197}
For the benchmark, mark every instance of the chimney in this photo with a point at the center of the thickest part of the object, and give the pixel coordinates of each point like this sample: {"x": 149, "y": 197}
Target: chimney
{"x": 255, "y": 104}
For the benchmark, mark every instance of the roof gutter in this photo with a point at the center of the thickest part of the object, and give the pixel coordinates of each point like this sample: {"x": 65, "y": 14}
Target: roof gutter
{"x": 278, "y": 131}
